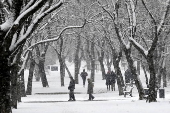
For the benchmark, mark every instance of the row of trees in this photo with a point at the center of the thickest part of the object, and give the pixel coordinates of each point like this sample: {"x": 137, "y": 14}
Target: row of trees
{"x": 107, "y": 31}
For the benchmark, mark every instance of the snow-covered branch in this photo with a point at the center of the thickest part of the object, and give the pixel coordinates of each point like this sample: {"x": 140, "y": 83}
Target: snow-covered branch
{"x": 118, "y": 32}
{"x": 165, "y": 14}
{"x": 16, "y": 24}
{"x": 24, "y": 59}
{"x": 34, "y": 24}
{"x": 111, "y": 16}
{"x": 138, "y": 46}
{"x": 30, "y": 3}
{"x": 49, "y": 20}
{"x": 153, "y": 19}
{"x": 57, "y": 38}
{"x": 29, "y": 10}
{"x": 132, "y": 16}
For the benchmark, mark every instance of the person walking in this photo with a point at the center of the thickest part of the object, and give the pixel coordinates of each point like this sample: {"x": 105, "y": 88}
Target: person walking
{"x": 108, "y": 80}
{"x": 113, "y": 80}
{"x": 84, "y": 75}
{"x": 128, "y": 76}
{"x": 90, "y": 89}
{"x": 71, "y": 87}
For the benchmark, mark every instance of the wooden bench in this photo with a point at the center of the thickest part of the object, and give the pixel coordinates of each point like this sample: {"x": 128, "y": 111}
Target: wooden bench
{"x": 128, "y": 90}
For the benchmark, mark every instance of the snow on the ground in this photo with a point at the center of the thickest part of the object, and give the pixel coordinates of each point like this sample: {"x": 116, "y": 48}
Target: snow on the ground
{"x": 47, "y": 100}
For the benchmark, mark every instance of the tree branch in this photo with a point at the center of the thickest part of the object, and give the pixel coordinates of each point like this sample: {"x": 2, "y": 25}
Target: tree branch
{"x": 57, "y": 38}
{"x": 165, "y": 15}
{"x": 34, "y": 25}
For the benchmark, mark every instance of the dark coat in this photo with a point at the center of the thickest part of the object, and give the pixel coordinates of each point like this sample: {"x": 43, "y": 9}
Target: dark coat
{"x": 71, "y": 86}
{"x": 128, "y": 76}
{"x": 113, "y": 77}
{"x": 90, "y": 87}
{"x": 83, "y": 75}
{"x": 108, "y": 79}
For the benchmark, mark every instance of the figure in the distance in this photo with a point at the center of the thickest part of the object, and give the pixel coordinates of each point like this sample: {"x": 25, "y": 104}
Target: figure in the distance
{"x": 84, "y": 75}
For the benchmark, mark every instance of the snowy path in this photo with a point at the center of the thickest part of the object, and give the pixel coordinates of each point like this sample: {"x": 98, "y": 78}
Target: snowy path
{"x": 55, "y": 100}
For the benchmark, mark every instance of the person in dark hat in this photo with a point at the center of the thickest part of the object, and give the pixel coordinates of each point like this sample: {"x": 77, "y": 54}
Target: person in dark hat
{"x": 71, "y": 87}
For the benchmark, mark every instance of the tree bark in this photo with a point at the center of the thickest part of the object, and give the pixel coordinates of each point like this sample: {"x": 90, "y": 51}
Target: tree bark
{"x": 134, "y": 72}
{"x": 5, "y": 106}
{"x": 146, "y": 77}
{"x": 42, "y": 71}
{"x": 119, "y": 77}
{"x": 30, "y": 77}
{"x": 14, "y": 86}
{"x": 164, "y": 77}
{"x": 22, "y": 84}
{"x": 92, "y": 61}
{"x": 101, "y": 59}
{"x": 102, "y": 67}
{"x": 62, "y": 70}
{"x": 77, "y": 60}
{"x": 152, "y": 81}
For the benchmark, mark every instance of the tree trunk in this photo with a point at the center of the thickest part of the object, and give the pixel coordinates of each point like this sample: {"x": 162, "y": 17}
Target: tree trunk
{"x": 5, "y": 104}
{"x": 146, "y": 77}
{"x": 42, "y": 70}
{"x": 164, "y": 77}
{"x": 120, "y": 82}
{"x": 68, "y": 71}
{"x": 88, "y": 56}
{"x": 108, "y": 61}
{"x": 134, "y": 72}
{"x": 138, "y": 67}
{"x": 19, "y": 91}
{"x": 14, "y": 86}
{"x": 22, "y": 84}
{"x": 152, "y": 81}
{"x": 76, "y": 73}
{"x": 92, "y": 61}
{"x": 30, "y": 77}
{"x": 37, "y": 75}
{"x": 62, "y": 69}
{"x": 159, "y": 76}
{"x": 77, "y": 60}
{"x": 101, "y": 59}
{"x": 119, "y": 77}
{"x": 102, "y": 68}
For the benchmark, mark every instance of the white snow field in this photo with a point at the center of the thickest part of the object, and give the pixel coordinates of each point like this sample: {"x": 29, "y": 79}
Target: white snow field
{"x": 54, "y": 99}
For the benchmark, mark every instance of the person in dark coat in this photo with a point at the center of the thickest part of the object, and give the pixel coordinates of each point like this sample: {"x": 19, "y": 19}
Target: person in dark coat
{"x": 71, "y": 87}
{"x": 108, "y": 81}
{"x": 128, "y": 76}
{"x": 113, "y": 80}
{"x": 84, "y": 75}
{"x": 90, "y": 89}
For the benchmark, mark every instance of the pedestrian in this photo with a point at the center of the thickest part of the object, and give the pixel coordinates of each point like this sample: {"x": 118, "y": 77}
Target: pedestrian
{"x": 71, "y": 87}
{"x": 113, "y": 80}
{"x": 84, "y": 75}
{"x": 108, "y": 81}
{"x": 90, "y": 89}
{"x": 128, "y": 76}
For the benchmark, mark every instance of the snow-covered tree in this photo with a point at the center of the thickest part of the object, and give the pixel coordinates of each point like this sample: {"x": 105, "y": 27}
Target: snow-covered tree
{"x": 13, "y": 36}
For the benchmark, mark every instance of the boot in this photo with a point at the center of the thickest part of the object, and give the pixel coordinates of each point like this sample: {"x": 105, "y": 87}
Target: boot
{"x": 73, "y": 97}
{"x": 89, "y": 97}
{"x": 93, "y": 97}
{"x": 70, "y": 97}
